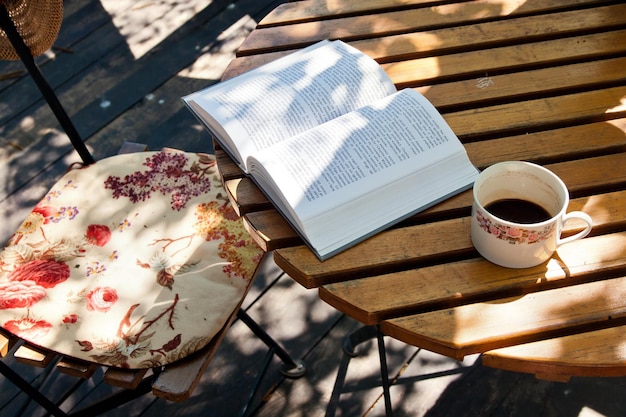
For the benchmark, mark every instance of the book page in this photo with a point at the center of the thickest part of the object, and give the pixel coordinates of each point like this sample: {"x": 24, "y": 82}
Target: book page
{"x": 356, "y": 154}
{"x": 293, "y": 94}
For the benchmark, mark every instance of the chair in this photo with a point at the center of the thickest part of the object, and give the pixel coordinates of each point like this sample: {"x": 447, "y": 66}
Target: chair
{"x": 136, "y": 263}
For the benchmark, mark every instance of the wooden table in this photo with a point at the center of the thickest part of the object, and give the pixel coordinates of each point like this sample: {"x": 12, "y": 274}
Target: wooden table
{"x": 542, "y": 81}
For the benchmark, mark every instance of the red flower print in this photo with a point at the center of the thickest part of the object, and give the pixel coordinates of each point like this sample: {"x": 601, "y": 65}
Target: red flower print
{"x": 86, "y": 345}
{"x": 167, "y": 174}
{"x": 101, "y": 299}
{"x": 46, "y": 273}
{"x": 20, "y": 294}
{"x": 28, "y": 329}
{"x": 494, "y": 230}
{"x": 70, "y": 319}
{"x": 45, "y": 211}
{"x": 98, "y": 234}
{"x": 172, "y": 344}
{"x": 514, "y": 232}
{"x": 533, "y": 237}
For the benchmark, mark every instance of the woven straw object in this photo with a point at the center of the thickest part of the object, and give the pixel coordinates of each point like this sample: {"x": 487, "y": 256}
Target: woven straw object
{"x": 38, "y": 21}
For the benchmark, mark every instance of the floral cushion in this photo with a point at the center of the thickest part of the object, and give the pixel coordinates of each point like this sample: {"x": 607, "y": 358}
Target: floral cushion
{"x": 135, "y": 261}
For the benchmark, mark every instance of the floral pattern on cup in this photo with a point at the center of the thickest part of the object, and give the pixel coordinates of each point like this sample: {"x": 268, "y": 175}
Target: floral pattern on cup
{"x": 513, "y": 235}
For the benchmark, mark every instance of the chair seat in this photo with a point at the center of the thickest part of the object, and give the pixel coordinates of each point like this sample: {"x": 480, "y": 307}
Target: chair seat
{"x": 135, "y": 261}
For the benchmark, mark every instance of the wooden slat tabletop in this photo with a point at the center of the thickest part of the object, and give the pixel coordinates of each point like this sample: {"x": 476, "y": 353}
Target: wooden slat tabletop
{"x": 557, "y": 359}
{"x": 483, "y": 326}
{"x": 545, "y": 82}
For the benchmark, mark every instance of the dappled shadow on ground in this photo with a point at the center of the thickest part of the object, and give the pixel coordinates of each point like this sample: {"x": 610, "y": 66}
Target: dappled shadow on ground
{"x": 490, "y": 392}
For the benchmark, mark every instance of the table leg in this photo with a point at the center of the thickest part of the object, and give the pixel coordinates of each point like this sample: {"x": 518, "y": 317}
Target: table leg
{"x": 384, "y": 374}
{"x": 363, "y": 334}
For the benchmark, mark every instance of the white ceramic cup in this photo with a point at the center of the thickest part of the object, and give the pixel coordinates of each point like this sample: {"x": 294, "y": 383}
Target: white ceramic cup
{"x": 521, "y": 245}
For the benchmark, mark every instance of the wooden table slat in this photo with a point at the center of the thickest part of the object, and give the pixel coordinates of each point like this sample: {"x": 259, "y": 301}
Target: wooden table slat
{"x": 373, "y": 299}
{"x": 472, "y": 64}
{"x": 545, "y": 82}
{"x": 480, "y": 327}
{"x": 538, "y": 114}
{"x": 246, "y": 196}
{"x": 227, "y": 168}
{"x": 490, "y": 34}
{"x": 552, "y": 145}
{"x": 289, "y": 13}
{"x": 270, "y": 230}
{"x": 360, "y": 25}
{"x": 598, "y": 353}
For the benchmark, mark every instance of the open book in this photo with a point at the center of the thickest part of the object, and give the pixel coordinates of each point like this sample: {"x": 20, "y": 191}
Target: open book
{"x": 338, "y": 150}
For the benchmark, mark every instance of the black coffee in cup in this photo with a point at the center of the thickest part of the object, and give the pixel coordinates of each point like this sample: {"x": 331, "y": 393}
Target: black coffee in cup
{"x": 518, "y": 211}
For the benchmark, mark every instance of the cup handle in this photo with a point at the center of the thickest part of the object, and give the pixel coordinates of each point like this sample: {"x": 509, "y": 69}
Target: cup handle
{"x": 575, "y": 215}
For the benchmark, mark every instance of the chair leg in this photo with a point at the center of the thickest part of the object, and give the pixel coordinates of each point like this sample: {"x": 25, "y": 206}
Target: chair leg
{"x": 257, "y": 382}
{"x": 117, "y": 399}
{"x": 25, "y": 55}
{"x": 291, "y": 368}
{"x": 32, "y": 393}
{"x": 106, "y": 404}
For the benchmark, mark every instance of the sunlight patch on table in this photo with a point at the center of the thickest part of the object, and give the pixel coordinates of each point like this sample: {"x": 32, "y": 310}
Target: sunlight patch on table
{"x": 618, "y": 108}
{"x": 427, "y": 68}
{"x": 482, "y": 9}
{"x": 579, "y": 255}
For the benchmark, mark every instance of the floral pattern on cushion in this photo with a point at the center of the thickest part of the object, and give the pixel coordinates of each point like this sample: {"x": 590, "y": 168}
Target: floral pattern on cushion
{"x": 135, "y": 261}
